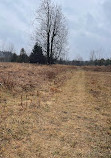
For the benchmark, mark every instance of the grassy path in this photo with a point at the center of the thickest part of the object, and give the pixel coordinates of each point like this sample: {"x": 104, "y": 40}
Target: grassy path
{"x": 81, "y": 126}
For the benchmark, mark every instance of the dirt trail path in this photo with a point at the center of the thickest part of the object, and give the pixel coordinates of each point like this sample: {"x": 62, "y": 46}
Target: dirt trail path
{"x": 79, "y": 128}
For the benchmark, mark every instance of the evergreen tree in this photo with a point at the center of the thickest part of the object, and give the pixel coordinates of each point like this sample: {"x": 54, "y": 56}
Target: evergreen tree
{"x": 37, "y": 55}
{"x": 23, "y": 58}
{"x": 14, "y": 57}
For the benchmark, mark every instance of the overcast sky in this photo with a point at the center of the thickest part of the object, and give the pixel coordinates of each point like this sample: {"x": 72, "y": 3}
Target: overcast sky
{"x": 89, "y": 23}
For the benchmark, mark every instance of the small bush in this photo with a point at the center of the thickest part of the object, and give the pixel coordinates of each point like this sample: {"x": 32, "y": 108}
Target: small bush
{"x": 51, "y": 75}
{"x": 8, "y": 82}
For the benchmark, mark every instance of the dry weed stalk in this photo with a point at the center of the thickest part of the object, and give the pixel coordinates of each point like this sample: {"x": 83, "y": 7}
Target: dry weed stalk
{"x": 30, "y": 102}
{"x": 21, "y": 100}
{"x": 38, "y": 98}
{"x": 8, "y": 82}
{"x": 26, "y": 100}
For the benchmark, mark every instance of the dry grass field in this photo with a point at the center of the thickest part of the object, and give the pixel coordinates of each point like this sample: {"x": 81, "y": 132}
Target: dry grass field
{"x": 55, "y": 111}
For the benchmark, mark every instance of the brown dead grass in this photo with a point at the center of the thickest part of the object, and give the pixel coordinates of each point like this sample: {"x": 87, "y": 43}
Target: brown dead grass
{"x": 97, "y": 68}
{"x": 25, "y": 77}
{"x": 56, "y": 112}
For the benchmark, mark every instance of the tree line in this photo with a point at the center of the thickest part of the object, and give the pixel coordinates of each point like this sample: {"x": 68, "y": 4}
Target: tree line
{"x": 96, "y": 62}
{"x": 36, "y": 56}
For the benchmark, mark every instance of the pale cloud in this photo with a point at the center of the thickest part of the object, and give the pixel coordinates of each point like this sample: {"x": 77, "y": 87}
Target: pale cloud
{"x": 88, "y": 21}
{"x": 16, "y": 20}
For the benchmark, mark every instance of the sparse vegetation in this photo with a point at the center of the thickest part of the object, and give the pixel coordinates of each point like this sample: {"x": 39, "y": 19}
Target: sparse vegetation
{"x": 54, "y": 111}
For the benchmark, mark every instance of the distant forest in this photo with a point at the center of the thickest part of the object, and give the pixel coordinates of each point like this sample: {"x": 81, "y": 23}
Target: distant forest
{"x": 38, "y": 57}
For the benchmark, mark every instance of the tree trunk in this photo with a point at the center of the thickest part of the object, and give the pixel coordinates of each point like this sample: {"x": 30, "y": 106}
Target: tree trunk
{"x": 48, "y": 53}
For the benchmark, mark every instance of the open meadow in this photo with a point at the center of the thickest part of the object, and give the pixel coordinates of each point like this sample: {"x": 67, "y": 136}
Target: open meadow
{"x": 55, "y": 111}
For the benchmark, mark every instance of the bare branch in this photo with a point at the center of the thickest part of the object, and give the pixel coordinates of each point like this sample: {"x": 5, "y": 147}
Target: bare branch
{"x": 51, "y": 30}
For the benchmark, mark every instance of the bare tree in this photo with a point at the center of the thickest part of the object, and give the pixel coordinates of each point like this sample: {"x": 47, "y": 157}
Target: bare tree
{"x": 22, "y": 51}
{"x": 7, "y": 47}
{"x": 92, "y": 56}
{"x": 51, "y": 32}
{"x": 11, "y": 48}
